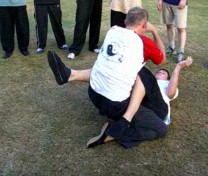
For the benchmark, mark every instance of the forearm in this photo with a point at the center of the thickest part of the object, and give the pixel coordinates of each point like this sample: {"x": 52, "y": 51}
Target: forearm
{"x": 159, "y": 43}
{"x": 173, "y": 83}
{"x": 137, "y": 96}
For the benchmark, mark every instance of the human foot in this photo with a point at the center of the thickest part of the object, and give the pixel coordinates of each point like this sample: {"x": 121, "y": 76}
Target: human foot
{"x": 101, "y": 138}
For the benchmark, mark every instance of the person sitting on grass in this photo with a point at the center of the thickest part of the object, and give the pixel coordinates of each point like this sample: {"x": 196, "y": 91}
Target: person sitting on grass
{"x": 123, "y": 54}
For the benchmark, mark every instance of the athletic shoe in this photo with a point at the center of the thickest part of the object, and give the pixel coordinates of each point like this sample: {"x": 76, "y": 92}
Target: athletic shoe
{"x": 25, "y": 53}
{"x": 71, "y": 56}
{"x": 179, "y": 57}
{"x": 95, "y": 50}
{"x": 39, "y": 51}
{"x": 169, "y": 50}
{"x": 7, "y": 55}
{"x": 60, "y": 71}
{"x": 64, "y": 47}
{"x": 100, "y": 139}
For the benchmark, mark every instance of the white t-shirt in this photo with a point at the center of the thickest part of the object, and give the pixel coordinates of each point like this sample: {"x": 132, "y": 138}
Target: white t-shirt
{"x": 120, "y": 59}
{"x": 163, "y": 85}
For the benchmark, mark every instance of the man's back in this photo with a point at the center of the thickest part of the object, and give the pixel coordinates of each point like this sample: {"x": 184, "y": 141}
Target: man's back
{"x": 117, "y": 65}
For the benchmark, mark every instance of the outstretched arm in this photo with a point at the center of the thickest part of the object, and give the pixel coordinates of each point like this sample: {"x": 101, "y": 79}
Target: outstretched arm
{"x": 173, "y": 84}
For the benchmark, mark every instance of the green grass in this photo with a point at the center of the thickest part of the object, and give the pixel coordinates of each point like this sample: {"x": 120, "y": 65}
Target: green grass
{"x": 44, "y": 127}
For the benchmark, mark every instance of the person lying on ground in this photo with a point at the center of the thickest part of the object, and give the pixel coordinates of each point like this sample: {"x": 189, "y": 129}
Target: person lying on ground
{"x": 146, "y": 124}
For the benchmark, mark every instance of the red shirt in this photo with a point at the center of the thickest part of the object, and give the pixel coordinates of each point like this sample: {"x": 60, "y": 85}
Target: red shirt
{"x": 151, "y": 51}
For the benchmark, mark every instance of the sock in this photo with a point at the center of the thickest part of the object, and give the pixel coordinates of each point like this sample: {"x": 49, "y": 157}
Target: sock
{"x": 172, "y": 45}
{"x": 181, "y": 50}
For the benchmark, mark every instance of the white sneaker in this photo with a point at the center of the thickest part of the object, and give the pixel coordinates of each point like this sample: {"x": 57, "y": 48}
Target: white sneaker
{"x": 71, "y": 56}
{"x": 64, "y": 47}
{"x": 96, "y": 50}
{"x": 39, "y": 51}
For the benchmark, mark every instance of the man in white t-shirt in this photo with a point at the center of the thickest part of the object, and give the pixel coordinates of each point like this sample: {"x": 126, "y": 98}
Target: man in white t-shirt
{"x": 146, "y": 124}
{"x": 123, "y": 54}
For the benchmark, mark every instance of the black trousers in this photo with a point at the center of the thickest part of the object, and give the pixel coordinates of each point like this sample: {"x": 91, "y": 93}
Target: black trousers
{"x": 11, "y": 18}
{"x": 41, "y": 16}
{"x": 147, "y": 123}
{"x": 117, "y": 18}
{"x": 88, "y": 13}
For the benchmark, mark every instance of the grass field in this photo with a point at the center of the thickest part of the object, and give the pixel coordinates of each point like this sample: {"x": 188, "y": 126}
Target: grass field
{"x": 44, "y": 127}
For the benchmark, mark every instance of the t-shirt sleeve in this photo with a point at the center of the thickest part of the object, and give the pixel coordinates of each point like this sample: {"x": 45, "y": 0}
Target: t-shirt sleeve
{"x": 151, "y": 51}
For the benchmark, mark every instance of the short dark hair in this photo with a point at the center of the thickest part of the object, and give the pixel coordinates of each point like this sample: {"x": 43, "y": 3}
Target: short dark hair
{"x": 135, "y": 16}
{"x": 166, "y": 72}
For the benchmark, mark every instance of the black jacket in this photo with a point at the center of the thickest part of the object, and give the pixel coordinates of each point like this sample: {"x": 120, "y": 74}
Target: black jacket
{"x": 37, "y": 2}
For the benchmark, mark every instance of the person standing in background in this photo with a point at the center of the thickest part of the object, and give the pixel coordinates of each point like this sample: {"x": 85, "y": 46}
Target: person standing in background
{"x": 13, "y": 14}
{"x": 43, "y": 8}
{"x": 119, "y": 10}
{"x": 89, "y": 12}
{"x": 174, "y": 14}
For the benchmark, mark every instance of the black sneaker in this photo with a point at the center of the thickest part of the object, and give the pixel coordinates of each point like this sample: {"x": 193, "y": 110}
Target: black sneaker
{"x": 100, "y": 139}
{"x": 25, "y": 53}
{"x": 60, "y": 71}
{"x": 7, "y": 55}
{"x": 169, "y": 50}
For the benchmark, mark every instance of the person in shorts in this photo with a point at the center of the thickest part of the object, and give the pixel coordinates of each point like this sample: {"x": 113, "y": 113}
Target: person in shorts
{"x": 174, "y": 14}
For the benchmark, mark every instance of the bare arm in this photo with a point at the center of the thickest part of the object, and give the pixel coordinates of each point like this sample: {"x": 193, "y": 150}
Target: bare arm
{"x": 173, "y": 84}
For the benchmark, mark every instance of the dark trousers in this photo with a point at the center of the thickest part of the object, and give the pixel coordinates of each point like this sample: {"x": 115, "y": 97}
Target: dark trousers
{"x": 147, "y": 124}
{"x": 88, "y": 13}
{"x": 41, "y": 16}
{"x": 117, "y": 18}
{"x": 11, "y": 18}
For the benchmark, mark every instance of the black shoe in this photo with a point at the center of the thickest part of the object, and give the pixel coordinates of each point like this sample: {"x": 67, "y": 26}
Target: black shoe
{"x": 25, "y": 53}
{"x": 7, "y": 55}
{"x": 100, "y": 139}
{"x": 60, "y": 71}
